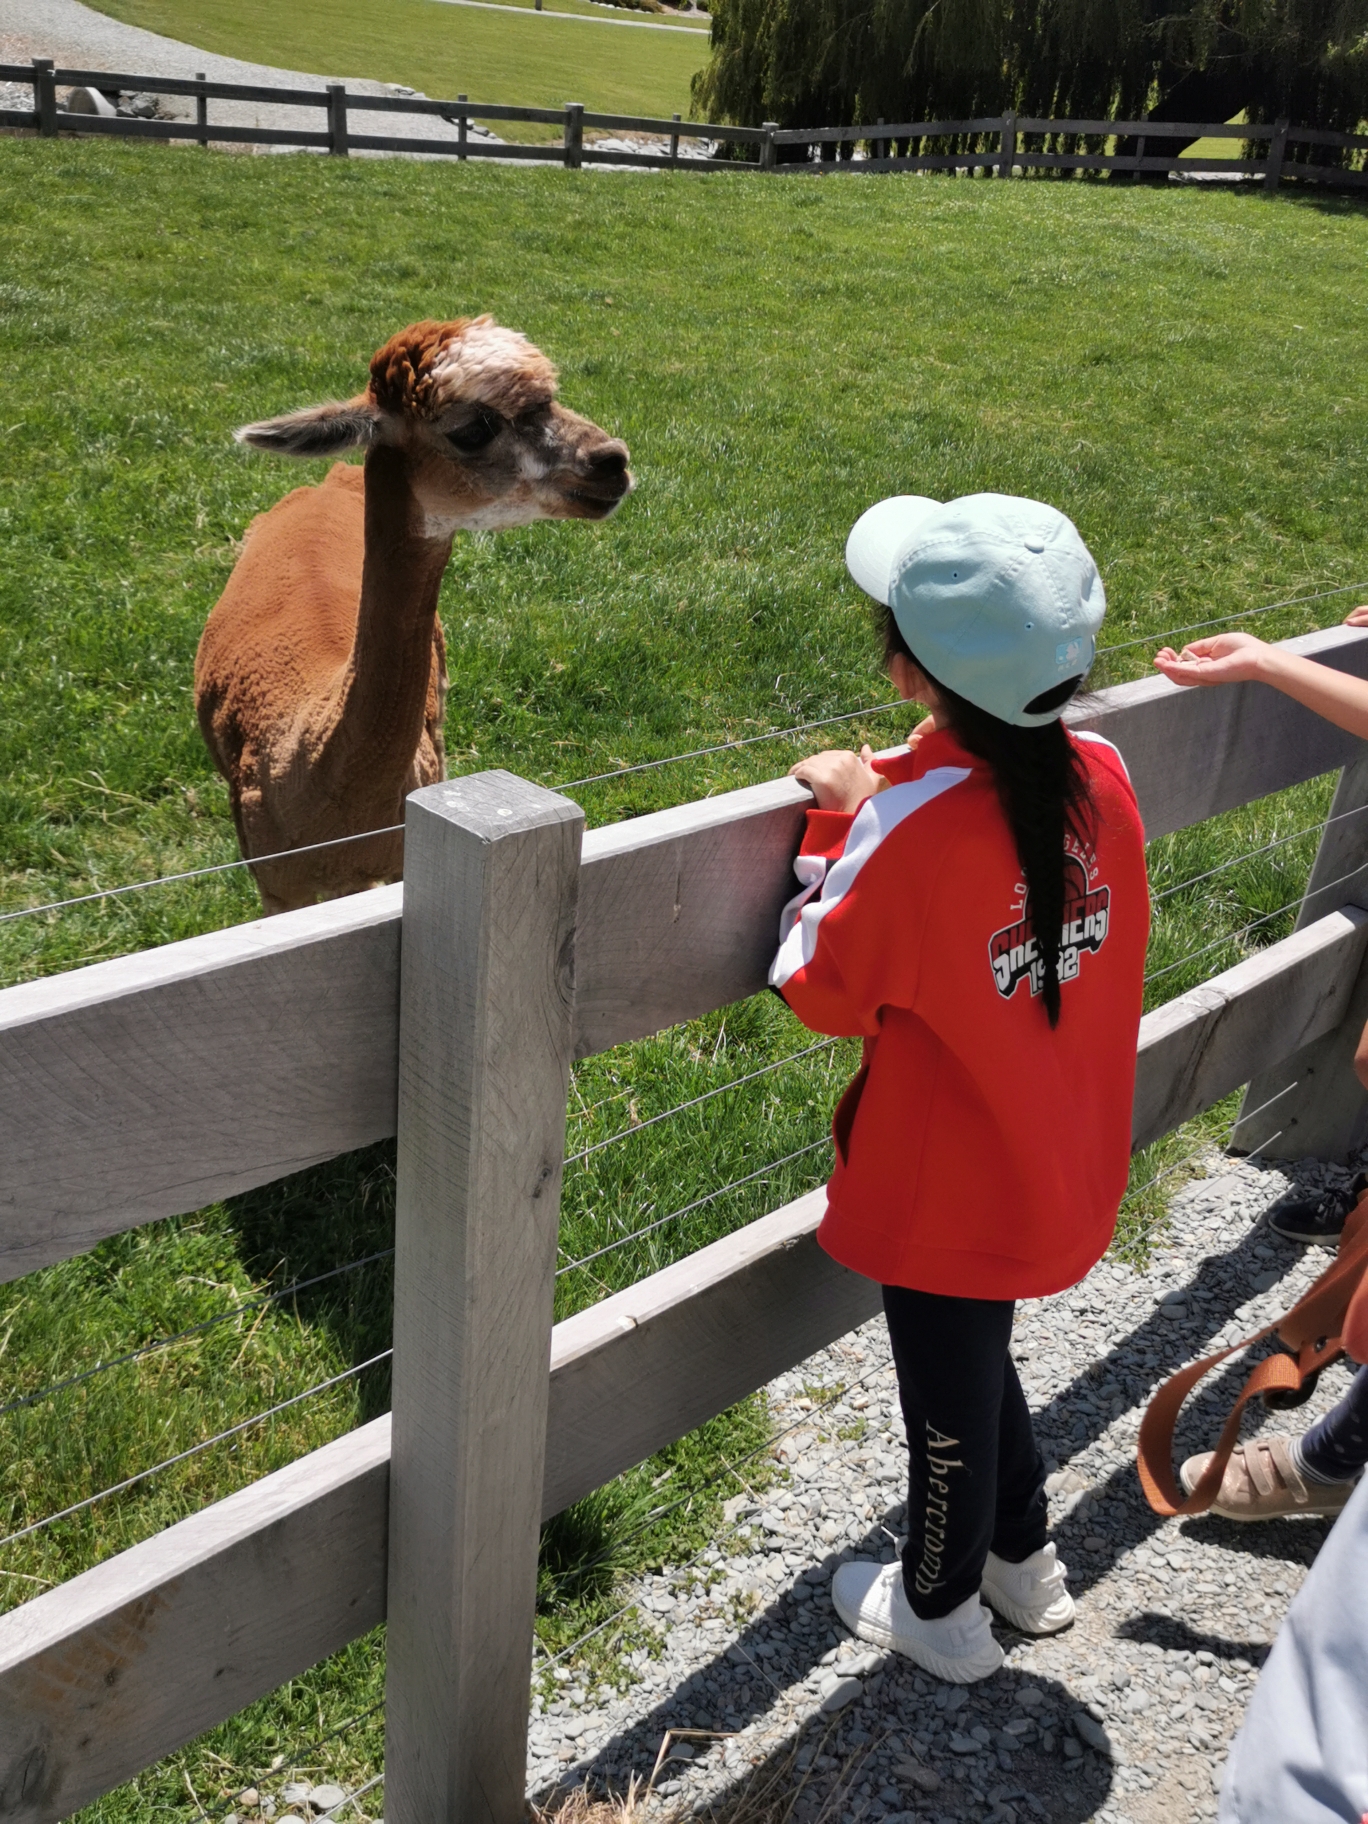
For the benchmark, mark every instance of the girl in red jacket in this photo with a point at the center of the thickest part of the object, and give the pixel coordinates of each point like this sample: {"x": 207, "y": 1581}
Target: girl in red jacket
{"x": 975, "y": 909}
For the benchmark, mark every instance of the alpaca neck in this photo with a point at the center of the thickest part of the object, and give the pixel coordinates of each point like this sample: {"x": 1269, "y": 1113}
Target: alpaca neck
{"x": 384, "y": 689}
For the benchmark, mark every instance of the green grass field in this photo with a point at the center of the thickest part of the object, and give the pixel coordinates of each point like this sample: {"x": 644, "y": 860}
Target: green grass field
{"x": 1175, "y": 369}
{"x": 540, "y": 61}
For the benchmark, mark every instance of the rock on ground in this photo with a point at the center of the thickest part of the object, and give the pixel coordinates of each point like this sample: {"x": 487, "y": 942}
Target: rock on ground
{"x": 1126, "y": 1718}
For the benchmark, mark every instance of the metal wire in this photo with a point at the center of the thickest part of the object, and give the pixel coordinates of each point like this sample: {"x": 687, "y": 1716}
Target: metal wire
{"x": 167, "y": 880}
{"x": 306, "y": 1756}
{"x": 1263, "y": 919}
{"x": 1240, "y": 614}
{"x": 675, "y": 1215}
{"x": 1188, "y": 1157}
{"x": 1311, "y": 829}
{"x": 728, "y": 1469}
{"x": 335, "y": 1811}
{"x": 195, "y": 1449}
{"x": 722, "y": 747}
{"x": 707, "y": 1096}
{"x": 166, "y": 1342}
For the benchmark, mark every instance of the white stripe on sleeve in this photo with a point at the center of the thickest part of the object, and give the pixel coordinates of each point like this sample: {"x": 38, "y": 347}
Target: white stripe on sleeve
{"x": 877, "y": 818}
{"x": 1086, "y": 734}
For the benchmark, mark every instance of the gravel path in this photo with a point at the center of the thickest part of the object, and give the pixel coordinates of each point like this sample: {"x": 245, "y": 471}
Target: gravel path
{"x": 1127, "y": 1717}
{"x": 77, "y": 37}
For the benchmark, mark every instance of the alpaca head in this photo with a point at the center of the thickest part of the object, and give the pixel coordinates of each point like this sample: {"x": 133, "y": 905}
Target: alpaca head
{"x": 473, "y": 409}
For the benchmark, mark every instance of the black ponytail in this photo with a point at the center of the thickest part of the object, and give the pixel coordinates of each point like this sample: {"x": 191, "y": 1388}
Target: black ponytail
{"x": 1043, "y": 789}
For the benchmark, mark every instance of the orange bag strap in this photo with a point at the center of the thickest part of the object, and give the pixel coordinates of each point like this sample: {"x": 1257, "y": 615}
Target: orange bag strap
{"x": 1312, "y": 1329}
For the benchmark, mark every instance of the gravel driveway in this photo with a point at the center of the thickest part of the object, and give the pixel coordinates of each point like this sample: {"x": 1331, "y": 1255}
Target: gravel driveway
{"x": 1127, "y": 1717}
{"x": 76, "y": 37}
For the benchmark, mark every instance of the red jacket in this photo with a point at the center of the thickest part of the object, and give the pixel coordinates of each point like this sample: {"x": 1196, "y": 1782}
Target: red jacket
{"x": 978, "y": 1152}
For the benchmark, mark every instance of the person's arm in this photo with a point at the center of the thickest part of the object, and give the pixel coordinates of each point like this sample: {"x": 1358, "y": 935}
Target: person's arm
{"x": 1240, "y": 658}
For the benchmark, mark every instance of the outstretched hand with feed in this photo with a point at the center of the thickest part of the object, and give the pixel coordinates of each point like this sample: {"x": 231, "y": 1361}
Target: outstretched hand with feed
{"x": 1240, "y": 658}
{"x": 1224, "y": 658}
{"x": 838, "y": 779}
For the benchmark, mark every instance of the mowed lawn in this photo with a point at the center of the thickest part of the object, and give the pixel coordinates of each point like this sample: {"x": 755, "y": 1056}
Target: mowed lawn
{"x": 1176, "y": 369}
{"x": 535, "y": 61}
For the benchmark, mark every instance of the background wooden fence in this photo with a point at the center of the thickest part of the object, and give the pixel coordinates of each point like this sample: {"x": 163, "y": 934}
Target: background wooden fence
{"x": 150, "y": 1085}
{"x": 999, "y": 144}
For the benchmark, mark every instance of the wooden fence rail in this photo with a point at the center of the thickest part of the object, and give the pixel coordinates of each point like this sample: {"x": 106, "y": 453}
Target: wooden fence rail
{"x": 152, "y": 1084}
{"x": 742, "y": 148}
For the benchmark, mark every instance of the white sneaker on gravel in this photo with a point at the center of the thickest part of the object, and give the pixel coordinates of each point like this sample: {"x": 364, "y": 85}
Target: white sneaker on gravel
{"x": 958, "y": 1647}
{"x": 1030, "y": 1595}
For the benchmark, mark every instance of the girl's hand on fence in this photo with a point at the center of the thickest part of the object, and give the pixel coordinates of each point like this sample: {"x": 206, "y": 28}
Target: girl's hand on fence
{"x": 1357, "y": 617}
{"x": 1225, "y": 658}
{"x": 838, "y": 779}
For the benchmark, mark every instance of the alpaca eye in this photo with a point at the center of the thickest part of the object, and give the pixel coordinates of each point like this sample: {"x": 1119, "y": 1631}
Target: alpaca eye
{"x": 481, "y": 431}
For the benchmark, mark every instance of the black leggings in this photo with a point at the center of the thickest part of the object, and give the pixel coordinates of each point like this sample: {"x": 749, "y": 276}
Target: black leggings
{"x": 976, "y": 1481}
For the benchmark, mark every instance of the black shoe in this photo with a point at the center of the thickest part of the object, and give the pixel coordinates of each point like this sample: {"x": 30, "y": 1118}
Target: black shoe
{"x": 1319, "y": 1218}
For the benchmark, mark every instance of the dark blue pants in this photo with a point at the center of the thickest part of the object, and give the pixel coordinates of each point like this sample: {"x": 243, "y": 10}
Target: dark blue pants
{"x": 976, "y": 1481}
{"x": 1336, "y": 1446}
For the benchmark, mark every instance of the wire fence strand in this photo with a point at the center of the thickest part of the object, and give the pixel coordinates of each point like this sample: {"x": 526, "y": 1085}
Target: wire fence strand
{"x": 218, "y": 867}
{"x": 1263, "y": 918}
{"x": 688, "y": 1209}
{"x": 1312, "y": 829}
{"x": 694, "y": 1101}
{"x": 180, "y": 1336}
{"x": 722, "y": 747}
{"x": 1239, "y": 614}
{"x": 194, "y": 1450}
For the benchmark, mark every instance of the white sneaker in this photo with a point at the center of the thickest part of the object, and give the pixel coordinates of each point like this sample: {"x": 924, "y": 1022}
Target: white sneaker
{"x": 1030, "y": 1595}
{"x": 958, "y": 1647}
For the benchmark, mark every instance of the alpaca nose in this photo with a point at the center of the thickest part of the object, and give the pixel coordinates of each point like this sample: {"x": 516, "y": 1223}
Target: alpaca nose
{"x": 609, "y": 462}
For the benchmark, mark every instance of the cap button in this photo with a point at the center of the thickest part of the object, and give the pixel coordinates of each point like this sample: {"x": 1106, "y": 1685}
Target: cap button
{"x": 1035, "y": 544}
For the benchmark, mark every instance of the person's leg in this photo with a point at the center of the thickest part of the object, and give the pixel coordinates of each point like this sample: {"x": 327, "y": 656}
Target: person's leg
{"x": 950, "y": 1354}
{"x": 1336, "y": 1447}
{"x": 1300, "y": 1757}
{"x": 1272, "y": 1476}
{"x": 1022, "y": 1521}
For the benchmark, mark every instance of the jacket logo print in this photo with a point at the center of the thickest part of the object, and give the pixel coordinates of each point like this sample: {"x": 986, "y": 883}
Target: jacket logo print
{"x": 1013, "y": 952}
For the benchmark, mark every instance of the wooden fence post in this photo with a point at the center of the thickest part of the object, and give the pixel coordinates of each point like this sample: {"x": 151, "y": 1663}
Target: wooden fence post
{"x": 491, "y": 878}
{"x": 574, "y": 135}
{"x": 202, "y": 113}
{"x": 769, "y": 128}
{"x": 1324, "y": 1114}
{"x": 674, "y": 142}
{"x": 1007, "y": 157}
{"x": 1277, "y": 151}
{"x": 337, "y": 120}
{"x": 462, "y": 129}
{"x": 45, "y": 96}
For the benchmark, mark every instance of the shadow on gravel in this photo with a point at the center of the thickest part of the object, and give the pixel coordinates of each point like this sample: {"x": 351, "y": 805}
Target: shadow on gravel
{"x": 987, "y": 1773}
{"x": 956, "y": 1736}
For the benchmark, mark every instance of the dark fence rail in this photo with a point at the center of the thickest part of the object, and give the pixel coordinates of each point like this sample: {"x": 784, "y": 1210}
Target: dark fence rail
{"x": 1001, "y": 145}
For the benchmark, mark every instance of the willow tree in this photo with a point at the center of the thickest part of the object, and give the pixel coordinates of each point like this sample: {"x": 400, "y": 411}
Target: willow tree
{"x": 817, "y": 62}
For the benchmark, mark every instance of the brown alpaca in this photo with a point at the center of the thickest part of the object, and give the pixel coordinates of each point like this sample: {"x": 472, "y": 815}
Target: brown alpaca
{"x": 320, "y": 680}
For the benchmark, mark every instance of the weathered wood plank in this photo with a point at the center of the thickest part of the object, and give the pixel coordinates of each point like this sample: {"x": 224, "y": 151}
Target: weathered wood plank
{"x": 1196, "y": 1049}
{"x": 1325, "y": 1116}
{"x": 104, "y": 1675}
{"x": 225, "y": 1606}
{"x": 492, "y": 873}
{"x": 649, "y": 1364}
{"x": 155, "y": 1083}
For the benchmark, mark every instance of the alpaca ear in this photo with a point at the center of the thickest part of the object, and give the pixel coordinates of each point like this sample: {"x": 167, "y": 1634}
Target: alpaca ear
{"x": 322, "y": 430}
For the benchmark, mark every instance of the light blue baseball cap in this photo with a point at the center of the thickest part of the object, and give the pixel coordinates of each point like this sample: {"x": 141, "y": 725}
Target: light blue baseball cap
{"x": 998, "y": 597}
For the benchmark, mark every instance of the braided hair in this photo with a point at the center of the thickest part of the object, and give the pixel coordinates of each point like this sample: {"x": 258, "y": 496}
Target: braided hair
{"x": 1043, "y": 789}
